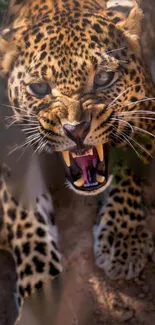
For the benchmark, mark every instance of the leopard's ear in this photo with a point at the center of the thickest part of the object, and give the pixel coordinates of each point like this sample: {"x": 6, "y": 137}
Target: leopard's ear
{"x": 7, "y": 51}
{"x": 128, "y": 17}
{"x": 14, "y": 22}
{"x": 9, "y": 43}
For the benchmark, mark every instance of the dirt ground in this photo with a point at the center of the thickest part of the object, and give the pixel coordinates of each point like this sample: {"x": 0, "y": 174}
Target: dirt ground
{"x": 82, "y": 294}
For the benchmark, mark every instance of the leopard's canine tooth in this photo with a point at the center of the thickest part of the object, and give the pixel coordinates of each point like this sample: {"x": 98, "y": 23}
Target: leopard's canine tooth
{"x": 90, "y": 152}
{"x": 79, "y": 182}
{"x": 99, "y": 149}
{"x": 66, "y": 158}
{"x": 99, "y": 178}
{"x": 73, "y": 154}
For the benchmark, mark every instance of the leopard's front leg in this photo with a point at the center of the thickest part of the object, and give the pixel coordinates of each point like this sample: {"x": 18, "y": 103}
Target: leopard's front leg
{"x": 31, "y": 236}
{"x": 122, "y": 241}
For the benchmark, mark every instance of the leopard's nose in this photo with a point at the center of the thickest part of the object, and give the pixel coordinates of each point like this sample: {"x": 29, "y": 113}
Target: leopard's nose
{"x": 77, "y": 131}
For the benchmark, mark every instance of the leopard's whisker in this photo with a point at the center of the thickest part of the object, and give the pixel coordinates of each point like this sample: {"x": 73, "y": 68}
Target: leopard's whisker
{"x": 136, "y": 112}
{"x": 136, "y": 128}
{"x": 21, "y": 118}
{"x": 11, "y": 106}
{"x": 7, "y": 126}
{"x": 8, "y": 118}
{"x": 25, "y": 117}
{"x": 27, "y": 124}
{"x": 126, "y": 137}
{"x": 30, "y": 128}
{"x": 115, "y": 134}
{"x": 26, "y": 147}
{"x": 122, "y": 93}
{"x": 141, "y": 131}
{"x": 123, "y": 135}
{"x": 141, "y": 117}
{"x": 40, "y": 144}
{"x": 43, "y": 143}
{"x": 31, "y": 121}
{"x": 141, "y": 147}
{"x": 115, "y": 137}
{"x": 144, "y": 131}
{"x": 25, "y": 143}
{"x": 136, "y": 102}
{"x": 30, "y": 132}
{"x": 124, "y": 121}
{"x": 153, "y": 100}
{"x": 32, "y": 136}
{"x": 14, "y": 121}
{"x": 19, "y": 109}
{"x": 115, "y": 50}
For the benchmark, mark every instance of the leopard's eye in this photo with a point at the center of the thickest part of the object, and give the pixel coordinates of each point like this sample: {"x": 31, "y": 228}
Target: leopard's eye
{"x": 105, "y": 79}
{"x": 40, "y": 89}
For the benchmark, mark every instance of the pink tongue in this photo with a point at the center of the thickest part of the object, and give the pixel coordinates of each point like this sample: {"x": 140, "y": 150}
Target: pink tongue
{"x": 86, "y": 163}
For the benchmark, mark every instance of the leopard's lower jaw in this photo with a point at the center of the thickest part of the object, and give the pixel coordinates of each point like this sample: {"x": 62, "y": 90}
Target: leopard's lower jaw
{"x": 93, "y": 192}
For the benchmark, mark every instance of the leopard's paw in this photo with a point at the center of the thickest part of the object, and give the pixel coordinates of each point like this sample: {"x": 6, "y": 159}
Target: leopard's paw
{"x": 123, "y": 255}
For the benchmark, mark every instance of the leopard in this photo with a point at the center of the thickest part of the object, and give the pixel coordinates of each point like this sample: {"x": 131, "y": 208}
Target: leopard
{"x": 78, "y": 85}
{"x": 31, "y": 237}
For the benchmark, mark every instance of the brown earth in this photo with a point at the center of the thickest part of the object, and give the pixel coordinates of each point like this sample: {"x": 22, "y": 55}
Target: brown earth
{"x": 82, "y": 295}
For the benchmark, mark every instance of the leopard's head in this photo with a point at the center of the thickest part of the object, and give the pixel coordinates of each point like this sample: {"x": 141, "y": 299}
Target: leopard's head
{"x": 72, "y": 73}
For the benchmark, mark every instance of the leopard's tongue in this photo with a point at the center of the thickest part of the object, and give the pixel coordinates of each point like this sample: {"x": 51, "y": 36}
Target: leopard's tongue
{"x": 88, "y": 165}
{"x": 88, "y": 162}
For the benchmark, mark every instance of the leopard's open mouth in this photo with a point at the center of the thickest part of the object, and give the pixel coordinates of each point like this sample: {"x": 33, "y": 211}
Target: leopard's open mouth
{"x": 87, "y": 168}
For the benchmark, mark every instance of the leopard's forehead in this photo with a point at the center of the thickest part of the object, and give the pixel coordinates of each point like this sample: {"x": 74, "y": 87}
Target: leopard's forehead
{"x": 68, "y": 45}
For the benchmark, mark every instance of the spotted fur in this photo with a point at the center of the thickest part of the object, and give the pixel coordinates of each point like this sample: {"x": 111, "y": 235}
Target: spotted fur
{"x": 122, "y": 240}
{"x": 31, "y": 237}
{"x": 67, "y": 43}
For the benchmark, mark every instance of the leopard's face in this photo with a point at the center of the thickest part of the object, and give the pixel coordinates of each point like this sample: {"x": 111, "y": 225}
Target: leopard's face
{"x": 72, "y": 79}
